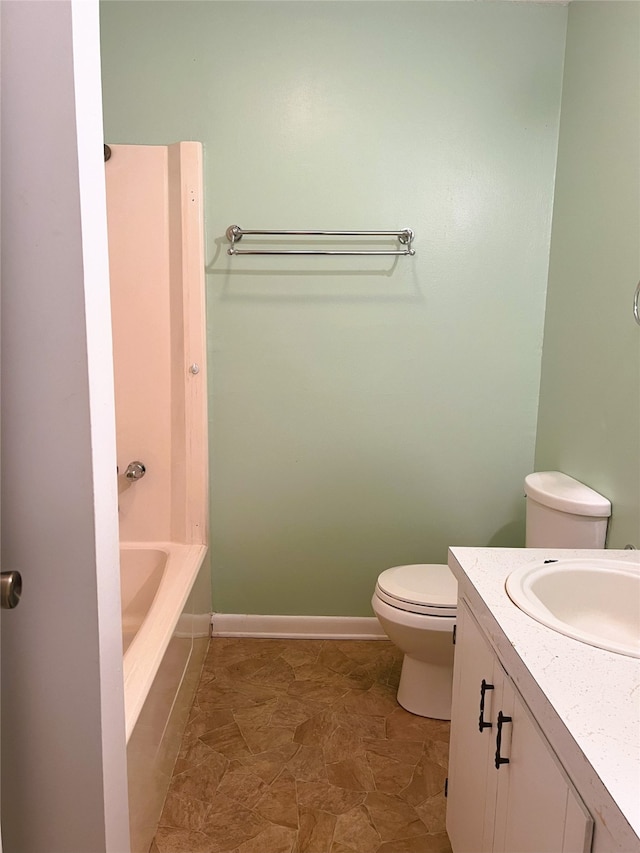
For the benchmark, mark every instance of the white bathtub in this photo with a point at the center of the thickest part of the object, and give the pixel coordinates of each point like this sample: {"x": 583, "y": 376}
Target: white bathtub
{"x": 156, "y": 580}
{"x": 165, "y": 636}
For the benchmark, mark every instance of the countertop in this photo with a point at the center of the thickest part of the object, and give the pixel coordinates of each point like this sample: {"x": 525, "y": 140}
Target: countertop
{"x": 585, "y": 699}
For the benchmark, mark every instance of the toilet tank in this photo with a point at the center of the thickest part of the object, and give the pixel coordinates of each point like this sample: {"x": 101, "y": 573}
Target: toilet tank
{"x": 564, "y": 513}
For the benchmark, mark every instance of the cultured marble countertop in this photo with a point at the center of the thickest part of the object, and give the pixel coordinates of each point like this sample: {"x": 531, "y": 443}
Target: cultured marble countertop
{"x": 585, "y": 699}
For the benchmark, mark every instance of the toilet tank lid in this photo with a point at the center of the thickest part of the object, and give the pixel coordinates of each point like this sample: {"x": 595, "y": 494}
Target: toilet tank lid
{"x": 559, "y": 491}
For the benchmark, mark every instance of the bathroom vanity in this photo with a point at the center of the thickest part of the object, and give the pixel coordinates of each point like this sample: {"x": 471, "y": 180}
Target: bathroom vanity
{"x": 545, "y": 729}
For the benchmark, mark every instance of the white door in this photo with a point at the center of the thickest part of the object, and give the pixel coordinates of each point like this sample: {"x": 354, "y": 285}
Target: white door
{"x": 476, "y": 695}
{"x": 63, "y": 749}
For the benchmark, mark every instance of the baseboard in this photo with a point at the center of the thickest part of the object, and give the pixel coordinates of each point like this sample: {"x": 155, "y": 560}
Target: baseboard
{"x": 296, "y": 627}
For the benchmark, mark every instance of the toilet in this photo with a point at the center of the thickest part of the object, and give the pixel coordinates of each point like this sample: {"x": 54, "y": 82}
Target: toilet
{"x": 416, "y": 604}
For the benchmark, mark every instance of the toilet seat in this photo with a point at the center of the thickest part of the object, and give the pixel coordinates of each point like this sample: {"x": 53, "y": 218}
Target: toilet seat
{"x": 427, "y": 588}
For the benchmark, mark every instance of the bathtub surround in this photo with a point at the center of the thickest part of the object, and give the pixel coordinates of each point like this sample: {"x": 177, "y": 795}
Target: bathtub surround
{"x": 154, "y": 196}
{"x": 364, "y": 412}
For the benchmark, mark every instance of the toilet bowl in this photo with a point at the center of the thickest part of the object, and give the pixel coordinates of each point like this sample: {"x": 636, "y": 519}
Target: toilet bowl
{"x": 416, "y": 604}
{"x": 416, "y": 607}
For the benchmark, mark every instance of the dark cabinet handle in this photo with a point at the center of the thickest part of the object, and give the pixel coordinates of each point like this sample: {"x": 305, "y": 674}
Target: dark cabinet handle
{"x": 483, "y": 724}
{"x": 499, "y": 759}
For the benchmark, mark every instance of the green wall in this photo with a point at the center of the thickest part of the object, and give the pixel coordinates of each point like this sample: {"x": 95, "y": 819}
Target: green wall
{"x": 589, "y": 417}
{"x": 365, "y": 412}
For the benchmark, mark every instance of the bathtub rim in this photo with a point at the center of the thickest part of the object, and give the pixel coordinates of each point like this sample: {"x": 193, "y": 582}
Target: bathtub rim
{"x": 142, "y": 659}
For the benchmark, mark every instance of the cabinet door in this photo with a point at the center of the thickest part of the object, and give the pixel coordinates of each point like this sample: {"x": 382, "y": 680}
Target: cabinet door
{"x": 537, "y": 809}
{"x": 525, "y": 805}
{"x": 472, "y": 789}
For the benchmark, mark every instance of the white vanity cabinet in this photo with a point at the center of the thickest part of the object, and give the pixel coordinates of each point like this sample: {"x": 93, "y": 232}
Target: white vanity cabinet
{"x": 526, "y": 804}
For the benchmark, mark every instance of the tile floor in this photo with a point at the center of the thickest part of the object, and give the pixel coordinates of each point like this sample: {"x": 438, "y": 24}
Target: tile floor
{"x": 299, "y": 746}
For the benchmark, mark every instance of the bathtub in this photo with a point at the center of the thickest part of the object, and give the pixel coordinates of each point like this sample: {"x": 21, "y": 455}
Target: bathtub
{"x": 164, "y": 639}
{"x": 156, "y": 580}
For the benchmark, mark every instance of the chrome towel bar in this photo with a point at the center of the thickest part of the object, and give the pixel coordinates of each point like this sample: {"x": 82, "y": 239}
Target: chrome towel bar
{"x": 404, "y": 237}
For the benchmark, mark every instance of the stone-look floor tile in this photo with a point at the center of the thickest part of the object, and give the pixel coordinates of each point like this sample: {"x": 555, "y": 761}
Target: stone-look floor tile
{"x": 324, "y": 796}
{"x": 390, "y": 775}
{"x": 243, "y": 787}
{"x": 360, "y": 726}
{"x": 432, "y": 813}
{"x": 259, "y": 694}
{"x": 170, "y": 840}
{"x": 261, "y": 738}
{"x": 342, "y": 742}
{"x": 316, "y": 730}
{"x": 292, "y": 712}
{"x": 267, "y": 765}
{"x": 359, "y": 679}
{"x": 274, "y": 839}
{"x": 192, "y": 753}
{"x": 369, "y": 703}
{"x": 213, "y": 697}
{"x": 392, "y": 817}
{"x": 408, "y": 751}
{"x": 299, "y": 746}
{"x": 404, "y": 726}
{"x": 335, "y": 659}
{"x": 363, "y": 651}
{"x": 352, "y": 773}
{"x": 427, "y": 781}
{"x": 188, "y": 814}
{"x": 276, "y": 673}
{"x": 200, "y": 782}
{"x": 355, "y": 830}
{"x": 315, "y": 832}
{"x": 228, "y": 740}
{"x": 208, "y": 721}
{"x": 418, "y": 844}
{"x": 317, "y": 691}
{"x": 278, "y": 803}
{"x": 302, "y": 652}
{"x": 261, "y": 713}
{"x": 437, "y": 751}
{"x": 307, "y": 765}
{"x": 229, "y": 824}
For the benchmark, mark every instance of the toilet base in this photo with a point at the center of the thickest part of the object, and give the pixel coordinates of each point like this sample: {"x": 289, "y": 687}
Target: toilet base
{"x": 425, "y": 689}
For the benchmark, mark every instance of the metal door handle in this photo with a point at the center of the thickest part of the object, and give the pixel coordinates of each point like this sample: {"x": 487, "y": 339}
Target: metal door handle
{"x": 636, "y": 308}
{"x": 10, "y": 589}
{"x": 501, "y": 721}
{"x": 483, "y": 724}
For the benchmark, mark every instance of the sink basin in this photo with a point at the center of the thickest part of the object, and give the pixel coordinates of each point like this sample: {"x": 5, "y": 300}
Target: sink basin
{"x": 596, "y": 601}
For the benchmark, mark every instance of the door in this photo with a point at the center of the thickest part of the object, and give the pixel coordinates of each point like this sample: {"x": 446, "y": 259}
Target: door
{"x": 507, "y": 791}
{"x": 533, "y": 781}
{"x": 471, "y": 791}
{"x": 63, "y": 750}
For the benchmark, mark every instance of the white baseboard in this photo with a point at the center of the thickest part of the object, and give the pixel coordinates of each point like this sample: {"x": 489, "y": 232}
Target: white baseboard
{"x": 296, "y": 627}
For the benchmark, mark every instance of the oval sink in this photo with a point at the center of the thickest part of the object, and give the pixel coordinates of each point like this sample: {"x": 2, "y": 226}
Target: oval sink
{"x": 596, "y": 601}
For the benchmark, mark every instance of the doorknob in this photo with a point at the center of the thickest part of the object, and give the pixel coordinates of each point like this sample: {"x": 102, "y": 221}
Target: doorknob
{"x": 10, "y": 589}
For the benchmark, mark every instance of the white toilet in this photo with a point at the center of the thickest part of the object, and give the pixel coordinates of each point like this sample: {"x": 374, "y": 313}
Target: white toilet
{"x": 416, "y": 605}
